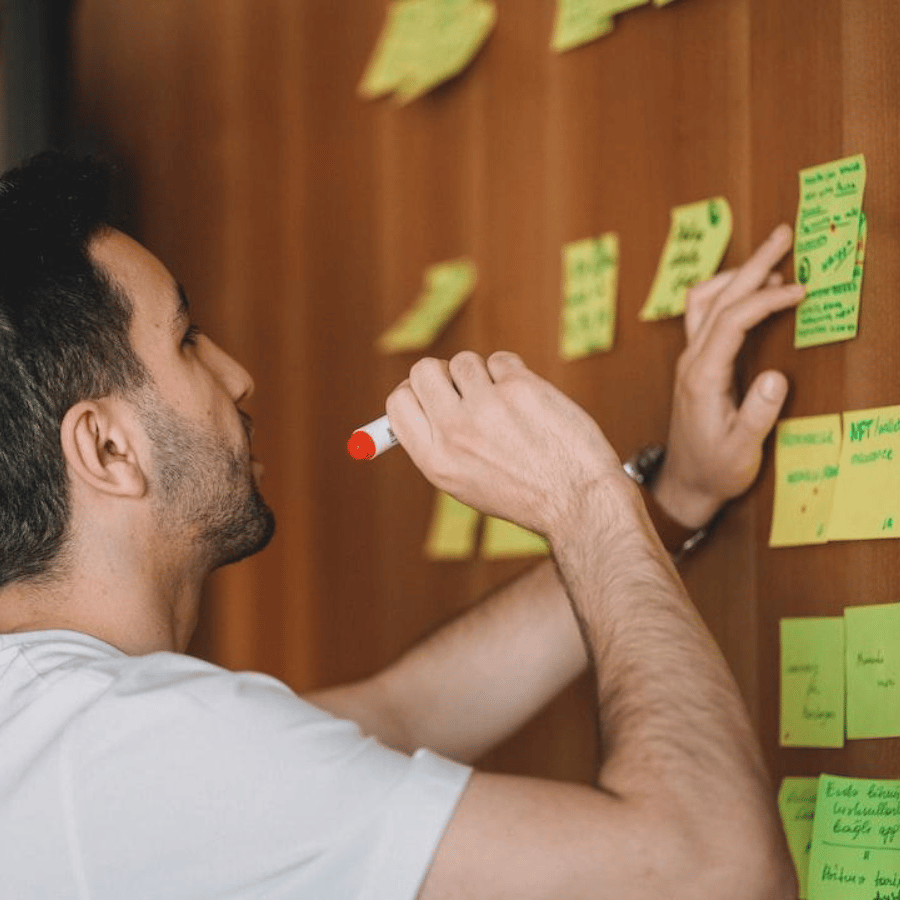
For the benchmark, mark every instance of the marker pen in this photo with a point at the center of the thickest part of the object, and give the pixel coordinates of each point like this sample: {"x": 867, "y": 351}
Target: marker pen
{"x": 372, "y": 440}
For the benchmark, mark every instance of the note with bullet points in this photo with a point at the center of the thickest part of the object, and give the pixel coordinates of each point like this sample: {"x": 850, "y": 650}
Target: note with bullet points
{"x": 829, "y": 248}
{"x": 807, "y": 453}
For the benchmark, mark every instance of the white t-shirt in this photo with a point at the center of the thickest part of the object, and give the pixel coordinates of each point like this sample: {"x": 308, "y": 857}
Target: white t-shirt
{"x": 164, "y": 777}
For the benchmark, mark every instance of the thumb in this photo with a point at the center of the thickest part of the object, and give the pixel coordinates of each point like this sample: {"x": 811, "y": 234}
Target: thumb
{"x": 761, "y": 406}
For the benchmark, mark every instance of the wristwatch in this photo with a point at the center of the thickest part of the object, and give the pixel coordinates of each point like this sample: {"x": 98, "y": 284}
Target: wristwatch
{"x": 643, "y": 466}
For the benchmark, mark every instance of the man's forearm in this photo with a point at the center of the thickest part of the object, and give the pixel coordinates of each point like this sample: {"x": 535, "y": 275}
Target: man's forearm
{"x": 478, "y": 679}
{"x": 673, "y": 724}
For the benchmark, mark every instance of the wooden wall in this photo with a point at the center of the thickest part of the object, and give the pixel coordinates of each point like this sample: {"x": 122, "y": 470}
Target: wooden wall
{"x": 301, "y": 219}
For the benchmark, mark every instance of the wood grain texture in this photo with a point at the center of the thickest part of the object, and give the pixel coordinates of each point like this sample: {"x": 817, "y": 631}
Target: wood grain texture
{"x": 301, "y": 220}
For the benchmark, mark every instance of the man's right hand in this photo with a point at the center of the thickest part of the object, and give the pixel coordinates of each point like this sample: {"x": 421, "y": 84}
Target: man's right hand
{"x": 501, "y": 439}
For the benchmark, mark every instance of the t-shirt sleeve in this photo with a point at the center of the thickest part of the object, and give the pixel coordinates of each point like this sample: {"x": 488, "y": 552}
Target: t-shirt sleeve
{"x": 186, "y": 781}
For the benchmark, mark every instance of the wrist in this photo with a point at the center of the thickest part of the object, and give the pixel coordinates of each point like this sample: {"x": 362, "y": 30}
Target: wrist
{"x": 689, "y": 508}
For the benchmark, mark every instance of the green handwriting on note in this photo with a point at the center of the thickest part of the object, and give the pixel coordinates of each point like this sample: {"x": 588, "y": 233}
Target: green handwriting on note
{"x": 829, "y": 250}
{"x": 590, "y": 283}
{"x": 855, "y": 853}
{"x": 447, "y": 286}
{"x": 797, "y": 805}
{"x": 812, "y": 682}
{"x": 807, "y": 453}
{"x": 578, "y": 22}
{"x": 873, "y": 670}
{"x": 451, "y": 534}
{"x": 698, "y": 236}
{"x": 867, "y": 494}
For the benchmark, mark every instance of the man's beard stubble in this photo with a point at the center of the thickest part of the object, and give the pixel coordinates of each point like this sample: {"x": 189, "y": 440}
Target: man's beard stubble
{"x": 205, "y": 489}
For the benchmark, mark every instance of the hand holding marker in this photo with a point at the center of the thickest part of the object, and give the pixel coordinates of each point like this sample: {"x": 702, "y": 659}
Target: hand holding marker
{"x": 372, "y": 440}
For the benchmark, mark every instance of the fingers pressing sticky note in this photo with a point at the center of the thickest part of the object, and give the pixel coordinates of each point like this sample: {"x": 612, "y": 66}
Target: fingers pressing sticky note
{"x": 829, "y": 251}
{"x": 447, "y": 286}
{"x": 698, "y": 237}
{"x": 590, "y": 283}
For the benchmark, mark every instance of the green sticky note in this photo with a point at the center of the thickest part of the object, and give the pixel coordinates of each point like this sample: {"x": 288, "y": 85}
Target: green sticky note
{"x": 451, "y": 534}
{"x": 590, "y": 283}
{"x": 502, "y": 540}
{"x": 855, "y": 853}
{"x": 614, "y": 7}
{"x": 829, "y": 244}
{"x": 578, "y": 22}
{"x": 698, "y": 237}
{"x": 392, "y": 59}
{"x": 807, "y": 453}
{"x": 451, "y": 35}
{"x": 812, "y": 682}
{"x": 797, "y": 805}
{"x": 867, "y": 493}
{"x": 447, "y": 286}
{"x": 873, "y": 670}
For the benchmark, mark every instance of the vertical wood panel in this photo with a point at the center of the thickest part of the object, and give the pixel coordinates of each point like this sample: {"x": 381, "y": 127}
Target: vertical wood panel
{"x": 301, "y": 220}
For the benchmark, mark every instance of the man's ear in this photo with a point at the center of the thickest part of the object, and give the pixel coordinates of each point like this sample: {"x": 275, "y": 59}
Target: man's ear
{"x": 98, "y": 441}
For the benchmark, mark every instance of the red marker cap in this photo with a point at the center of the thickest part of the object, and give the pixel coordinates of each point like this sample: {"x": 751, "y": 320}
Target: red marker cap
{"x": 361, "y": 446}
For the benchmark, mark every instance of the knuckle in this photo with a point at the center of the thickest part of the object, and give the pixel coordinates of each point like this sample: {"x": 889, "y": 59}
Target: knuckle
{"x": 466, "y": 362}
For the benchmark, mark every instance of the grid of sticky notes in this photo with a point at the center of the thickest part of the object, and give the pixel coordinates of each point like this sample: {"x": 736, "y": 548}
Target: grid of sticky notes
{"x": 844, "y": 836}
{"x": 579, "y": 22}
{"x": 840, "y": 675}
{"x": 837, "y": 478}
{"x": 453, "y": 534}
{"x": 698, "y": 237}
{"x": 447, "y": 287}
{"x": 590, "y": 284}
{"x": 829, "y": 251}
{"x": 424, "y": 43}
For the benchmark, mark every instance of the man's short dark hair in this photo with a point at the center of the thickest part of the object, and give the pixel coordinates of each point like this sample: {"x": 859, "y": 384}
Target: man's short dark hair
{"x": 64, "y": 337}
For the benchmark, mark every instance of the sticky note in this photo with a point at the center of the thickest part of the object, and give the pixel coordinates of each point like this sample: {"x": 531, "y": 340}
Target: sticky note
{"x": 855, "y": 853}
{"x": 867, "y": 493}
{"x": 827, "y": 252}
{"x": 807, "y": 453}
{"x": 447, "y": 286}
{"x": 698, "y": 237}
{"x": 502, "y": 539}
{"x": 578, "y": 22}
{"x": 452, "y": 34}
{"x": 392, "y": 58}
{"x": 812, "y": 682}
{"x": 613, "y": 7}
{"x": 873, "y": 670}
{"x": 797, "y": 805}
{"x": 451, "y": 534}
{"x": 590, "y": 283}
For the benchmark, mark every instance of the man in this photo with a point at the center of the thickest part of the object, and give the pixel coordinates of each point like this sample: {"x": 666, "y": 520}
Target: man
{"x": 130, "y": 770}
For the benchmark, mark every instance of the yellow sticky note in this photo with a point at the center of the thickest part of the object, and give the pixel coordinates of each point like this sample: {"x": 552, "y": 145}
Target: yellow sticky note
{"x": 393, "y": 55}
{"x": 590, "y": 283}
{"x": 451, "y": 534}
{"x": 578, "y": 22}
{"x": 502, "y": 539}
{"x": 452, "y": 34}
{"x": 661, "y": 2}
{"x": 827, "y": 253}
{"x": 614, "y": 7}
{"x": 867, "y": 493}
{"x": 797, "y": 805}
{"x": 856, "y": 838}
{"x": 698, "y": 237}
{"x": 873, "y": 670}
{"x": 447, "y": 286}
{"x": 807, "y": 453}
{"x": 812, "y": 682}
